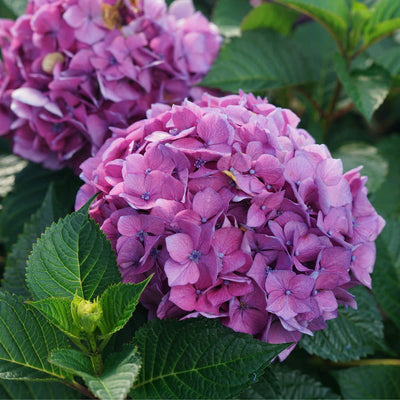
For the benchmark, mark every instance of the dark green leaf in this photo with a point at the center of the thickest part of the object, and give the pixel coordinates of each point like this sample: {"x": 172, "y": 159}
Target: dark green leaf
{"x": 266, "y": 386}
{"x": 197, "y": 359}
{"x": 270, "y": 15}
{"x": 120, "y": 371}
{"x": 374, "y": 165}
{"x": 390, "y": 60}
{"x": 72, "y": 256}
{"x": 57, "y": 310}
{"x": 21, "y": 390}
{"x": 320, "y": 57}
{"x": 386, "y": 277}
{"x": 228, "y": 15}
{"x": 366, "y": 88}
{"x": 279, "y": 382}
{"x": 16, "y": 6}
{"x": 333, "y": 15}
{"x": 15, "y": 271}
{"x": 26, "y": 340}
{"x": 257, "y": 61}
{"x": 387, "y": 198}
{"x": 352, "y": 335}
{"x": 385, "y": 19}
{"x": 30, "y": 187}
{"x": 369, "y": 382}
{"x": 118, "y": 303}
{"x": 9, "y": 166}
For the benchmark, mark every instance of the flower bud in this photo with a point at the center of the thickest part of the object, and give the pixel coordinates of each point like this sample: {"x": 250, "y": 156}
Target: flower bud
{"x": 86, "y": 314}
{"x": 50, "y": 60}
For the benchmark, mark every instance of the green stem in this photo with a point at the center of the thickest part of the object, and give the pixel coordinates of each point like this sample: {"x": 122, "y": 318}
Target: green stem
{"x": 330, "y": 111}
{"x": 82, "y": 389}
{"x": 372, "y": 361}
{"x": 95, "y": 356}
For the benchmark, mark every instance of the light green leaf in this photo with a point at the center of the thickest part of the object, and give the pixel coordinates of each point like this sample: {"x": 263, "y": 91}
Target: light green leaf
{"x": 352, "y": 335}
{"x": 118, "y": 303}
{"x": 332, "y": 15}
{"x": 57, "y": 310}
{"x": 367, "y": 88}
{"x": 385, "y": 19}
{"x": 270, "y": 15}
{"x": 197, "y": 358}
{"x": 16, "y": 6}
{"x": 360, "y": 15}
{"x": 26, "y": 340}
{"x": 120, "y": 371}
{"x": 30, "y": 187}
{"x": 386, "y": 277}
{"x": 23, "y": 390}
{"x": 228, "y": 15}
{"x": 72, "y": 256}
{"x": 374, "y": 165}
{"x": 369, "y": 382}
{"x": 15, "y": 271}
{"x": 257, "y": 61}
{"x": 387, "y": 198}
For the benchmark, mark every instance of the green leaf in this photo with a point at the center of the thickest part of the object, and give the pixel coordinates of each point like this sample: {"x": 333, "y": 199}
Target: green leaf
{"x": 374, "y": 165}
{"x": 14, "y": 275}
{"x": 197, "y": 358}
{"x": 297, "y": 385}
{"x": 352, "y": 335}
{"x": 30, "y": 187}
{"x": 270, "y": 15}
{"x": 369, "y": 382}
{"x": 118, "y": 303}
{"x": 266, "y": 386}
{"x": 26, "y": 340}
{"x": 120, "y": 371}
{"x": 57, "y": 310}
{"x": 386, "y": 277}
{"x": 72, "y": 256}
{"x": 360, "y": 15}
{"x": 332, "y": 15}
{"x": 16, "y": 6}
{"x": 385, "y": 19}
{"x": 367, "y": 88}
{"x": 9, "y": 166}
{"x": 279, "y": 382}
{"x": 390, "y": 60}
{"x": 228, "y": 15}
{"x": 387, "y": 198}
{"x": 21, "y": 390}
{"x": 257, "y": 61}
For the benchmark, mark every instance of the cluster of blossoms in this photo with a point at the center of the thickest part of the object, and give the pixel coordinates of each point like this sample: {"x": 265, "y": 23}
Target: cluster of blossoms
{"x": 238, "y": 214}
{"x": 75, "y": 68}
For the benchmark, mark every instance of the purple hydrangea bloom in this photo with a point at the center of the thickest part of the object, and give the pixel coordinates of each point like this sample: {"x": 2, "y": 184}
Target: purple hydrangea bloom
{"x": 238, "y": 213}
{"x": 74, "y": 70}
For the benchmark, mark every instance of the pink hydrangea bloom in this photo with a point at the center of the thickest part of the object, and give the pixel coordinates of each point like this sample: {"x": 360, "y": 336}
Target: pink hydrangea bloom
{"x": 75, "y": 69}
{"x": 238, "y": 214}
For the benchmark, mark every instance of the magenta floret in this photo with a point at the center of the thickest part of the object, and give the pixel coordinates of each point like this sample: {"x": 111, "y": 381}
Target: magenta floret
{"x": 75, "y": 68}
{"x": 238, "y": 214}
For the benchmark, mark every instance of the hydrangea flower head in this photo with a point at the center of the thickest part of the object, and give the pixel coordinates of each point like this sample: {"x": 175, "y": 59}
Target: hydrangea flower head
{"x": 73, "y": 69}
{"x": 237, "y": 212}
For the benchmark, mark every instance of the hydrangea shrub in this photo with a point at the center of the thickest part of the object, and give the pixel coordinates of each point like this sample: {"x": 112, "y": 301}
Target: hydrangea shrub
{"x": 237, "y": 212}
{"x": 73, "y": 69}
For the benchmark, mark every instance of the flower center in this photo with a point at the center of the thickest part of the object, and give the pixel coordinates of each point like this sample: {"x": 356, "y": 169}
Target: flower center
{"x": 195, "y": 256}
